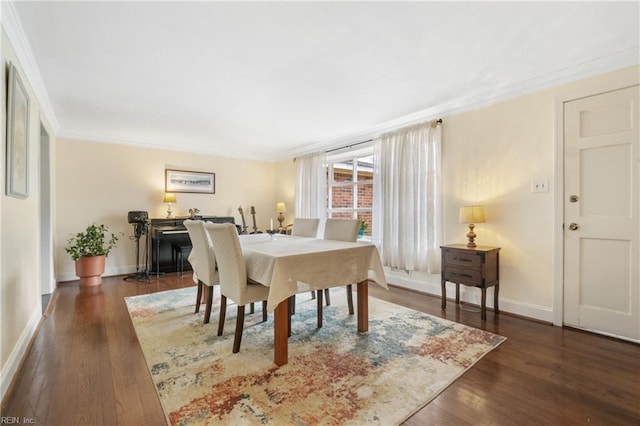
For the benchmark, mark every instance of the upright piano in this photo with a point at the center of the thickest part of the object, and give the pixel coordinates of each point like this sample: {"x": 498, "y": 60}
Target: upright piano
{"x": 166, "y": 232}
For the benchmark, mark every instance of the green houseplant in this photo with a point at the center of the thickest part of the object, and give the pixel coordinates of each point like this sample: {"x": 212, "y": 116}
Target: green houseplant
{"x": 363, "y": 228}
{"x": 88, "y": 250}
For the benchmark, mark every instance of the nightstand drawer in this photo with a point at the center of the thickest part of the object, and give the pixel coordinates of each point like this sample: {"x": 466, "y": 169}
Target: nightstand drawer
{"x": 454, "y": 274}
{"x": 466, "y": 260}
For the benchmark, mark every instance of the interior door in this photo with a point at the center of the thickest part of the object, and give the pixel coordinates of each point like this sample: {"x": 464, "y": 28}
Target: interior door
{"x": 601, "y": 213}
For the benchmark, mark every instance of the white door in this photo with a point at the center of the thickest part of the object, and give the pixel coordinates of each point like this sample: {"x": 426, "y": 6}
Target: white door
{"x": 601, "y": 213}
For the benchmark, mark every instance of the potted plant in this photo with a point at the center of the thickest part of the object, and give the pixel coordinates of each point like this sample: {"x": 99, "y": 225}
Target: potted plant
{"x": 363, "y": 228}
{"x": 88, "y": 250}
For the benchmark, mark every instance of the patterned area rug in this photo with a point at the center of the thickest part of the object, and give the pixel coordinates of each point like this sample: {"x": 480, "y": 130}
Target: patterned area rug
{"x": 335, "y": 375}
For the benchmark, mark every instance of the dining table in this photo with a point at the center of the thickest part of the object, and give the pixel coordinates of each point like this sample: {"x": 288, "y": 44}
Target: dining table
{"x": 289, "y": 265}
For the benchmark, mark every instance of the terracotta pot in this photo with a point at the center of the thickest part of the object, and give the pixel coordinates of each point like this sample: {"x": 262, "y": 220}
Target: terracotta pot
{"x": 90, "y": 270}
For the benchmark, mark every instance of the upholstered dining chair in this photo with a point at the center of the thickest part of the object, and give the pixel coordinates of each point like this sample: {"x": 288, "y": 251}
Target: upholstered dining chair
{"x": 340, "y": 230}
{"x": 203, "y": 264}
{"x": 305, "y": 227}
{"x": 234, "y": 283}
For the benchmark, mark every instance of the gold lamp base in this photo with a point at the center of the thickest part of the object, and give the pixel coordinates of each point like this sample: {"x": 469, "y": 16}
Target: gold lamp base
{"x": 280, "y": 219}
{"x": 471, "y": 236}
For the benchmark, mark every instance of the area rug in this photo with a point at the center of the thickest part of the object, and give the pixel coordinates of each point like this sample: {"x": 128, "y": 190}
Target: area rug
{"x": 335, "y": 375}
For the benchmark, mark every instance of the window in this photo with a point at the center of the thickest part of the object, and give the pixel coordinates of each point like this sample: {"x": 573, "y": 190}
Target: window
{"x": 350, "y": 183}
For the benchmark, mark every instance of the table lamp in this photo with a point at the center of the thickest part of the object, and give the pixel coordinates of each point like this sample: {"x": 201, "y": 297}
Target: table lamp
{"x": 280, "y": 208}
{"x": 169, "y": 197}
{"x": 471, "y": 215}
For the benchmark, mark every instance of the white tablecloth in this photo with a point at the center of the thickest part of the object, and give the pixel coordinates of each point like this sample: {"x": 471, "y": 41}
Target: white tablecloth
{"x": 290, "y": 265}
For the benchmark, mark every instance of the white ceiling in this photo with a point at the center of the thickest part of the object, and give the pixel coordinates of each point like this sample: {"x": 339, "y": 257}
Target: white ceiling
{"x": 273, "y": 80}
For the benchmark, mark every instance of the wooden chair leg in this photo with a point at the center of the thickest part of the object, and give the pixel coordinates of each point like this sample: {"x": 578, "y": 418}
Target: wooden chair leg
{"x": 199, "y": 297}
{"x": 239, "y": 327}
{"x": 264, "y": 311}
{"x": 326, "y": 296}
{"x": 223, "y": 311}
{"x": 207, "y": 311}
{"x": 319, "y": 302}
{"x": 313, "y": 294}
{"x": 252, "y": 308}
{"x": 350, "y": 298}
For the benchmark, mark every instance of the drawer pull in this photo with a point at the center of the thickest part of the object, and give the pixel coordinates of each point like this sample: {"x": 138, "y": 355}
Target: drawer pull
{"x": 463, "y": 259}
{"x": 456, "y": 274}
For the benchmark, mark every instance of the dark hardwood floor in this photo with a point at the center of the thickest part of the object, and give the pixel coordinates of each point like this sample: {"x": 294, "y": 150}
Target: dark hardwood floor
{"x": 85, "y": 367}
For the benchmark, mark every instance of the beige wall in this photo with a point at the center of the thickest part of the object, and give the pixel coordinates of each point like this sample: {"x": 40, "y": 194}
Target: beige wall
{"x": 20, "y": 265}
{"x": 489, "y": 157}
{"x": 101, "y": 182}
{"x": 285, "y": 188}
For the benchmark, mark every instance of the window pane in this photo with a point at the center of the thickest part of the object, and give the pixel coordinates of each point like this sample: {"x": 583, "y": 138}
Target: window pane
{"x": 366, "y": 216}
{"x": 343, "y": 171}
{"x": 341, "y": 196}
{"x": 365, "y": 168}
{"x": 342, "y": 215}
{"x": 365, "y": 195}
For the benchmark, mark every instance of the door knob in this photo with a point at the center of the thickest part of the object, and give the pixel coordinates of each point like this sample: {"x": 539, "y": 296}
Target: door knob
{"x": 573, "y": 199}
{"x": 573, "y": 226}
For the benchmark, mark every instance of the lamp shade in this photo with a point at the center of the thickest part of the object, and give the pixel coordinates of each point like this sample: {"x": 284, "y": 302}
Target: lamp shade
{"x": 169, "y": 197}
{"x": 280, "y": 207}
{"x": 471, "y": 214}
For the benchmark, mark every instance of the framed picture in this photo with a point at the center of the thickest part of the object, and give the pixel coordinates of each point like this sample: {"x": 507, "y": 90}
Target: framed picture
{"x": 17, "y": 179}
{"x": 185, "y": 181}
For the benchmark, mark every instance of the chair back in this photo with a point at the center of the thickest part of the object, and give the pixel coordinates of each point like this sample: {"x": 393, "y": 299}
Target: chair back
{"x": 341, "y": 229}
{"x": 305, "y": 227}
{"x": 202, "y": 258}
{"x": 231, "y": 266}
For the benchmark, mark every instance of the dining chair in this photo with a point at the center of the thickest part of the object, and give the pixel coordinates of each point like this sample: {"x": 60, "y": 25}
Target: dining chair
{"x": 305, "y": 227}
{"x": 339, "y": 230}
{"x": 234, "y": 283}
{"x": 202, "y": 263}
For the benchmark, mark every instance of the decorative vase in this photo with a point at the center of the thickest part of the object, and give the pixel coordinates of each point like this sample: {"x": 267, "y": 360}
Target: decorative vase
{"x": 90, "y": 270}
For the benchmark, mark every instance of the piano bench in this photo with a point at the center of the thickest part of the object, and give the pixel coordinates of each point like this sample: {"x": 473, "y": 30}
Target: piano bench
{"x": 178, "y": 253}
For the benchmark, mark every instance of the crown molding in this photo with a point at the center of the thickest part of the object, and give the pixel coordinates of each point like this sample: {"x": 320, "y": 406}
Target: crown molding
{"x": 619, "y": 60}
{"x": 13, "y": 29}
{"x": 140, "y": 143}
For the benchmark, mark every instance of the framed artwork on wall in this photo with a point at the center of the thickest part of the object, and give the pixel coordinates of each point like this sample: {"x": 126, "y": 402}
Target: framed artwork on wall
{"x": 17, "y": 158}
{"x": 186, "y": 181}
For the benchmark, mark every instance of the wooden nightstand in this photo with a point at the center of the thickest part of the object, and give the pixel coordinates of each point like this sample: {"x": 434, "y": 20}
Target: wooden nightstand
{"x": 477, "y": 267}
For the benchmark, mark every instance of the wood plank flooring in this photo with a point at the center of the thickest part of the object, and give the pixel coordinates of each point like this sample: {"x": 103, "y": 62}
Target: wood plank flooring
{"x": 85, "y": 367}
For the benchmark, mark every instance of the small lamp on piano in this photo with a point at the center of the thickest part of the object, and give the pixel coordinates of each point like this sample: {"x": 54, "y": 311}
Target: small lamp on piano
{"x": 471, "y": 215}
{"x": 169, "y": 197}
{"x": 280, "y": 208}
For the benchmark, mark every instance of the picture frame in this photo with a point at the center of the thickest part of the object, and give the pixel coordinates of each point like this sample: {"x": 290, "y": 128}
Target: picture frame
{"x": 17, "y": 154}
{"x": 189, "y": 181}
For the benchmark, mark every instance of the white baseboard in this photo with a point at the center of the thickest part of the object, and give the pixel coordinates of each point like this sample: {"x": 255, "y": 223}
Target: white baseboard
{"x": 430, "y": 284}
{"x": 19, "y": 350}
{"x": 418, "y": 281}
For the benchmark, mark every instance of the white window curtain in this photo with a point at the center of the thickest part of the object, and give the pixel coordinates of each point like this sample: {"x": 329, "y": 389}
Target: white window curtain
{"x": 311, "y": 186}
{"x": 408, "y": 200}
